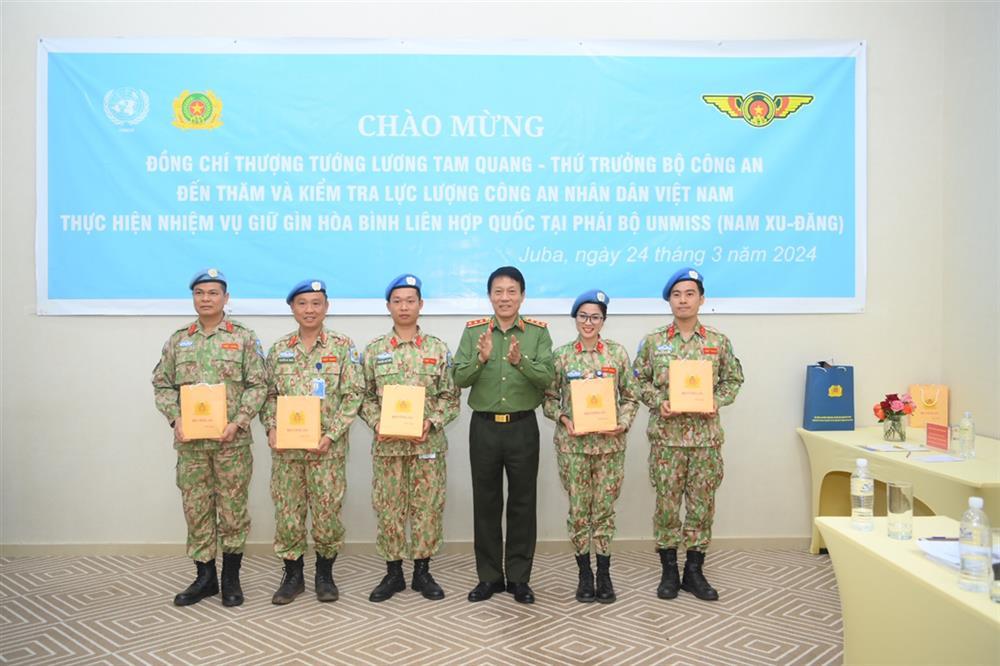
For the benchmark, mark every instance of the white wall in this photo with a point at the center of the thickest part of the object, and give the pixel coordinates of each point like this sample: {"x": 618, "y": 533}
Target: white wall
{"x": 72, "y": 476}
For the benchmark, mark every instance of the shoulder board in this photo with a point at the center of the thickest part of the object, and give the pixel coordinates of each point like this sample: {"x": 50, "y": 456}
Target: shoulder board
{"x": 375, "y": 341}
{"x": 477, "y": 322}
{"x": 339, "y": 339}
{"x": 536, "y": 322}
{"x": 186, "y": 329}
{"x": 232, "y": 323}
{"x": 661, "y": 329}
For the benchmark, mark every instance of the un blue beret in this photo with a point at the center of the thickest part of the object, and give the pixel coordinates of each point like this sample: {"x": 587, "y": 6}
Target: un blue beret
{"x": 208, "y": 275}
{"x": 593, "y": 296}
{"x": 404, "y": 280}
{"x": 306, "y": 286}
{"x": 680, "y": 276}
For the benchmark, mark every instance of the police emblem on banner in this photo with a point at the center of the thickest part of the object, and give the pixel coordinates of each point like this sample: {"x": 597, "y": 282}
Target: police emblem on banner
{"x": 126, "y": 107}
{"x": 757, "y": 109}
{"x": 197, "y": 110}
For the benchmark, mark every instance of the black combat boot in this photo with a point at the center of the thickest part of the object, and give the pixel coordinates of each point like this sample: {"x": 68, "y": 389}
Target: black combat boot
{"x": 392, "y": 582}
{"x": 423, "y": 582}
{"x": 205, "y": 585}
{"x": 670, "y": 580}
{"x": 605, "y": 590}
{"x": 694, "y": 581}
{"x": 232, "y": 592}
{"x": 292, "y": 583}
{"x": 585, "y": 588}
{"x": 326, "y": 589}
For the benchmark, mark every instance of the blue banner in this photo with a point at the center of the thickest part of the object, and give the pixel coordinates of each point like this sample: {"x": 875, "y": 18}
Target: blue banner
{"x": 586, "y": 165}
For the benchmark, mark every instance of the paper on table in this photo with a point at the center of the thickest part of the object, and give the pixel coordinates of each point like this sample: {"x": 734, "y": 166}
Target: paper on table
{"x": 945, "y": 552}
{"x": 913, "y": 447}
{"x": 880, "y": 447}
{"x": 936, "y": 458}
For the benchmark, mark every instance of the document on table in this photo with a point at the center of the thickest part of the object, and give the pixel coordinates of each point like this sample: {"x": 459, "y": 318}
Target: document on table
{"x": 943, "y": 550}
{"x": 937, "y": 458}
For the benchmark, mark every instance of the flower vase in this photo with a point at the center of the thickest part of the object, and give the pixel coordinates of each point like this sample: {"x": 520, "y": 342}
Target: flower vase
{"x": 893, "y": 429}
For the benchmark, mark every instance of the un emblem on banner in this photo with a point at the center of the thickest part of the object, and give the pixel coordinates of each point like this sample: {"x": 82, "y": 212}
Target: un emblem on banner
{"x": 197, "y": 110}
{"x": 126, "y": 107}
{"x": 757, "y": 109}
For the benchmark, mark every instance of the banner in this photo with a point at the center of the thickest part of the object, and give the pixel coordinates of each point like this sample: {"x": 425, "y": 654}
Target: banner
{"x": 585, "y": 164}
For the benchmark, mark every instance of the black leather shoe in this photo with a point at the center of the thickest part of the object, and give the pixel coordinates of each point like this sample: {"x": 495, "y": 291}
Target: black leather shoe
{"x": 423, "y": 581}
{"x": 292, "y": 583}
{"x": 326, "y": 587}
{"x": 522, "y": 593}
{"x": 205, "y": 585}
{"x": 392, "y": 582}
{"x": 694, "y": 580}
{"x": 670, "y": 580}
{"x": 585, "y": 586}
{"x": 605, "y": 590}
{"x": 484, "y": 591}
{"x": 232, "y": 592}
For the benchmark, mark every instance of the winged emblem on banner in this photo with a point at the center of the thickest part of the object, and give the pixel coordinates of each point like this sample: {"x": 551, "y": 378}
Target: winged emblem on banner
{"x": 758, "y": 109}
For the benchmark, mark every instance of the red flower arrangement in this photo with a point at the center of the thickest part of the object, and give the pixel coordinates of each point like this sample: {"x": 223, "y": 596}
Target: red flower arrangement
{"x": 894, "y": 407}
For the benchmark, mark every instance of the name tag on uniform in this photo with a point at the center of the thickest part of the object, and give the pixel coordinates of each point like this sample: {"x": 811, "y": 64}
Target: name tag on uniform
{"x": 383, "y": 358}
{"x": 318, "y": 388}
{"x": 286, "y": 357}
{"x": 664, "y": 348}
{"x": 185, "y": 343}
{"x": 574, "y": 374}
{"x": 427, "y": 456}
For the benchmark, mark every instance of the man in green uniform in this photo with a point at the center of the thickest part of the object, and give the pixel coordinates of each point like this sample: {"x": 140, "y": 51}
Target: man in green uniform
{"x": 213, "y": 475}
{"x": 408, "y": 475}
{"x": 685, "y": 449}
{"x": 507, "y": 360}
{"x": 592, "y": 464}
{"x": 316, "y": 361}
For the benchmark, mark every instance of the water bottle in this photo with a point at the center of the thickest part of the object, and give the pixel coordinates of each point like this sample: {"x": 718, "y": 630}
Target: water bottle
{"x": 967, "y": 437}
{"x": 974, "y": 547}
{"x": 862, "y": 497}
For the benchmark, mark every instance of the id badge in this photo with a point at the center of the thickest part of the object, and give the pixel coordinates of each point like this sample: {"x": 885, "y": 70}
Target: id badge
{"x": 319, "y": 387}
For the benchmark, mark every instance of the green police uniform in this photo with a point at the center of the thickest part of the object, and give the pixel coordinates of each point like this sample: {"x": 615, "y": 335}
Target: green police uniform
{"x": 503, "y": 436}
{"x": 409, "y": 478}
{"x": 214, "y": 476}
{"x": 591, "y": 466}
{"x": 685, "y": 458}
{"x": 308, "y": 481}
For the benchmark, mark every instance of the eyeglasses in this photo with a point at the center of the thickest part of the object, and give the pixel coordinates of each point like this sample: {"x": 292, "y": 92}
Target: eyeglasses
{"x": 589, "y": 319}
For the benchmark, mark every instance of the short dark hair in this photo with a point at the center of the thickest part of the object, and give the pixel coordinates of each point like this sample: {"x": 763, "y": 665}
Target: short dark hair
{"x": 701, "y": 287}
{"x": 505, "y": 271}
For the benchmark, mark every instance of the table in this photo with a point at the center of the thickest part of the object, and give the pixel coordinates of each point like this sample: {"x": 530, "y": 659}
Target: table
{"x": 938, "y": 488}
{"x": 901, "y": 607}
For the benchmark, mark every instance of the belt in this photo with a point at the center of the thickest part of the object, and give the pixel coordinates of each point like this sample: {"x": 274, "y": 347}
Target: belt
{"x": 503, "y": 418}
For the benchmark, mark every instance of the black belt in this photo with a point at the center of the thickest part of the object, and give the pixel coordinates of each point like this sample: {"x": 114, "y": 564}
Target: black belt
{"x": 504, "y": 418}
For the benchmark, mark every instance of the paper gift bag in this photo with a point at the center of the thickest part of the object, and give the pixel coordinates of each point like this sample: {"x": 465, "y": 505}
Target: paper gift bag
{"x": 203, "y": 410}
{"x": 829, "y": 403}
{"x": 690, "y": 386}
{"x": 402, "y": 412}
{"x": 594, "y": 408}
{"x": 932, "y": 404}
{"x": 298, "y": 422}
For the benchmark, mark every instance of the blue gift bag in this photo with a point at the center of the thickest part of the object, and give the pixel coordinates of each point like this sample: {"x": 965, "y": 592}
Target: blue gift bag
{"x": 829, "y": 401}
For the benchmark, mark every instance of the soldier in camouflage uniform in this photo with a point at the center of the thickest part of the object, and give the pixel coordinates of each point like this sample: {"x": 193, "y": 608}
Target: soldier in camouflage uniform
{"x": 591, "y": 465}
{"x": 312, "y": 360}
{"x": 213, "y": 475}
{"x": 685, "y": 450}
{"x": 408, "y": 476}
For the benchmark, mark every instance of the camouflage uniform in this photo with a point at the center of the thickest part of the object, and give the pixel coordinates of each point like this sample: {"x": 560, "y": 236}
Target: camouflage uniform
{"x": 308, "y": 481}
{"x": 409, "y": 478}
{"x": 591, "y": 466}
{"x": 685, "y": 456}
{"x": 213, "y": 476}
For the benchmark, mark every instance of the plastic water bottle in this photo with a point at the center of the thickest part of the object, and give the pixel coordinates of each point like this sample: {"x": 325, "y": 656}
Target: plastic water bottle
{"x": 967, "y": 436}
{"x": 974, "y": 547}
{"x": 862, "y": 497}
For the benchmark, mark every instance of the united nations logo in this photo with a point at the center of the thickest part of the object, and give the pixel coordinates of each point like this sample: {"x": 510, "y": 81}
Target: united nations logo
{"x": 197, "y": 110}
{"x": 126, "y": 107}
{"x": 757, "y": 109}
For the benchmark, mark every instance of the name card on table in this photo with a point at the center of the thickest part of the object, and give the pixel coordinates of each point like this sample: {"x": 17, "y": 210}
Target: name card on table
{"x": 402, "y": 411}
{"x": 298, "y": 422}
{"x": 938, "y": 436}
{"x": 203, "y": 410}
{"x": 594, "y": 406}
{"x": 691, "y": 386}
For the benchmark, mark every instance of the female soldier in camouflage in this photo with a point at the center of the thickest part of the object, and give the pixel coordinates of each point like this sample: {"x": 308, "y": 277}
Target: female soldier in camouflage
{"x": 592, "y": 465}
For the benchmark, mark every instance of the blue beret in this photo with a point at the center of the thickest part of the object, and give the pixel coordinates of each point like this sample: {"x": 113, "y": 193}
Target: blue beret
{"x": 208, "y": 275}
{"x": 404, "y": 280}
{"x": 680, "y": 276}
{"x": 306, "y": 286}
{"x": 593, "y": 296}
